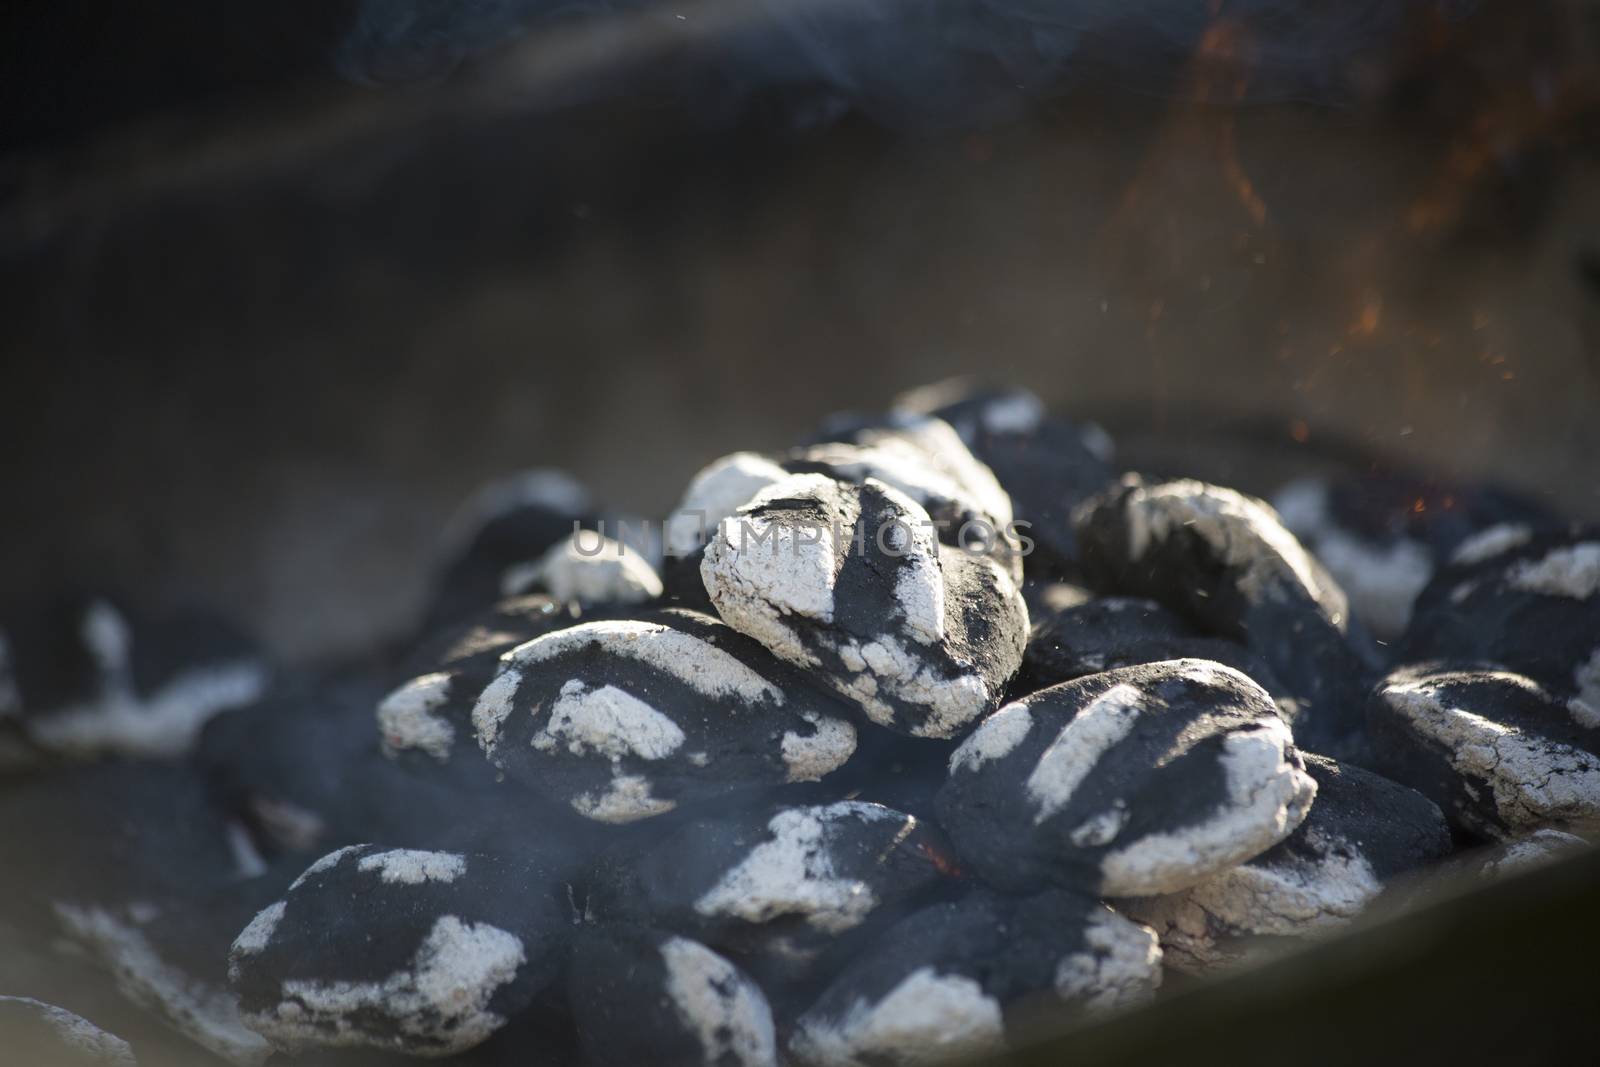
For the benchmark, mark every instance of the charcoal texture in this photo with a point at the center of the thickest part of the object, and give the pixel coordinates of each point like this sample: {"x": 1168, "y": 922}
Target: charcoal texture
{"x": 1383, "y": 535}
{"x": 1048, "y": 465}
{"x": 951, "y": 979}
{"x": 108, "y": 834}
{"x": 783, "y": 886}
{"x": 85, "y": 676}
{"x": 898, "y": 744}
{"x": 628, "y": 719}
{"x": 36, "y": 1032}
{"x": 1138, "y": 781}
{"x": 505, "y": 523}
{"x": 1532, "y": 606}
{"x": 1109, "y": 632}
{"x": 647, "y": 997}
{"x": 1225, "y": 561}
{"x": 852, "y": 585}
{"x": 1362, "y": 832}
{"x": 429, "y": 716}
{"x": 1500, "y": 754}
{"x": 417, "y": 951}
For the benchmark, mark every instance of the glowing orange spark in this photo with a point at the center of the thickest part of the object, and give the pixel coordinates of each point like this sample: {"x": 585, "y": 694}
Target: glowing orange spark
{"x": 1369, "y": 318}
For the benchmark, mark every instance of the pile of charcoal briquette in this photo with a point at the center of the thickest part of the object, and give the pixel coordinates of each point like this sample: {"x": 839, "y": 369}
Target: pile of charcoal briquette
{"x": 877, "y": 751}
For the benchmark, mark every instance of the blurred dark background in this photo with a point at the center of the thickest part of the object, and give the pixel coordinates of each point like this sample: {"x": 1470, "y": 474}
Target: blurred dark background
{"x": 283, "y": 282}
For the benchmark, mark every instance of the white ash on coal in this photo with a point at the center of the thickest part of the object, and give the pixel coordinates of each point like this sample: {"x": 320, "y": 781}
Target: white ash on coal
{"x": 1362, "y": 832}
{"x": 37, "y": 1032}
{"x": 1225, "y": 560}
{"x": 83, "y": 678}
{"x": 826, "y": 783}
{"x": 1134, "y": 782}
{"x": 850, "y": 583}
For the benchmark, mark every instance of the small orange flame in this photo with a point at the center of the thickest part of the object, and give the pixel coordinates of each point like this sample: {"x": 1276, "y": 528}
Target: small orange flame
{"x": 942, "y": 862}
{"x": 1369, "y": 318}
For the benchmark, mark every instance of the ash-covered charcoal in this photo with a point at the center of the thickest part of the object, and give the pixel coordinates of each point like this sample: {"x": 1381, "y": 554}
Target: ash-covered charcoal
{"x": 925, "y": 459}
{"x": 849, "y": 582}
{"x": 1486, "y": 864}
{"x": 897, "y": 771}
{"x": 85, "y": 677}
{"x": 1224, "y": 560}
{"x": 718, "y": 490}
{"x": 921, "y": 457}
{"x": 1499, "y": 753}
{"x": 485, "y": 635}
{"x": 781, "y": 885}
{"x": 1528, "y": 602}
{"x": 1109, "y": 632}
{"x": 305, "y": 772}
{"x": 862, "y": 861}
{"x": 199, "y": 1007}
{"x": 168, "y": 956}
{"x": 113, "y": 833}
{"x": 37, "y": 1033}
{"x": 1383, "y": 536}
{"x": 302, "y": 769}
{"x": 1522, "y": 854}
{"x": 950, "y": 981}
{"x": 414, "y": 951}
{"x": 503, "y": 525}
{"x": 973, "y": 409}
{"x": 546, "y": 1027}
{"x": 643, "y": 996}
{"x": 1083, "y": 632}
{"x": 1362, "y": 832}
{"x": 626, "y": 719}
{"x": 430, "y": 715}
{"x": 1135, "y": 782}
{"x": 587, "y": 568}
{"x": 1046, "y": 464}
{"x": 681, "y": 586}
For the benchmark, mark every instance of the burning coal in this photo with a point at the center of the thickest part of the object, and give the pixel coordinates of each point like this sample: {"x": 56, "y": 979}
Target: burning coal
{"x": 762, "y": 795}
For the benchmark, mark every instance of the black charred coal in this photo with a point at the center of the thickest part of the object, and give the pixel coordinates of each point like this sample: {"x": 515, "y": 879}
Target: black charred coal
{"x": 1383, "y": 535}
{"x": 785, "y": 889}
{"x": 1363, "y": 832}
{"x": 629, "y": 719}
{"x": 954, "y": 978}
{"x": 643, "y": 996}
{"x": 1499, "y": 753}
{"x": 505, "y": 523}
{"x": 1525, "y": 600}
{"x": 1109, "y": 632}
{"x": 1136, "y": 782}
{"x": 922, "y": 636}
{"x": 1225, "y": 560}
{"x": 417, "y": 951}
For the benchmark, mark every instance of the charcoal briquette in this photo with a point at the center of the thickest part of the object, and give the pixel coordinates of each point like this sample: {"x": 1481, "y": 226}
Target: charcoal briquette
{"x": 626, "y": 719}
{"x": 1133, "y": 782}
{"x": 923, "y": 636}
{"x": 1224, "y": 560}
